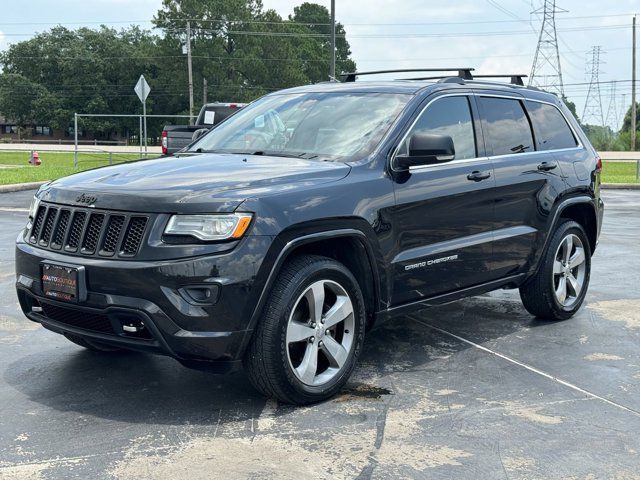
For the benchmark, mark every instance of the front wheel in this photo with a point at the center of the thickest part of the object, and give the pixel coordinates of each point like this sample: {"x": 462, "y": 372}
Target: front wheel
{"x": 557, "y": 290}
{"x": 305, "y": 348}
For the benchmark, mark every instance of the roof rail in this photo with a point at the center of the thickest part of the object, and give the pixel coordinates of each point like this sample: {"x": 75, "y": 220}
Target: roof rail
{"x": 464, "y": 72}
{"x": 515, "y": 79}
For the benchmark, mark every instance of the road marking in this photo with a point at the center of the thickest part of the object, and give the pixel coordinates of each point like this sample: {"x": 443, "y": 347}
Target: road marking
{"x": 13, "y": 209}
{"x": 529, "y": 367}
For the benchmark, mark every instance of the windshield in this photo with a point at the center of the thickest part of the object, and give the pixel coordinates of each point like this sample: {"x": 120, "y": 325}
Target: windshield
{"x": 327, "y": 126}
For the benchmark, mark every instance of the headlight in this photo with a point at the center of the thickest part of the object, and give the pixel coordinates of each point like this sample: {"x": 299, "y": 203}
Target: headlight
{"x": 209, "y": 227}
{"x": 33, "y": 209}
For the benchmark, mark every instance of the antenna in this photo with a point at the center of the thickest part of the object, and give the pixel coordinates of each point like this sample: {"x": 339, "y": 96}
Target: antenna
{"x": 546, "y": 63}
{"x": 593, "y": 104}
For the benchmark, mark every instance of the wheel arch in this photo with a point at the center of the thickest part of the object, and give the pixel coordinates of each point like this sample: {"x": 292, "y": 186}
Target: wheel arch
{"x": 582, "y": 212}
{"x": 349, "y": 246}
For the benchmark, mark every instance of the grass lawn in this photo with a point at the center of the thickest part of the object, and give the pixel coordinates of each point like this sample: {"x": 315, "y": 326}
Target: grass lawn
{"x": 619, "y": 172}
{"x": 59, "y": 164}
{"x": 15, "y": 168}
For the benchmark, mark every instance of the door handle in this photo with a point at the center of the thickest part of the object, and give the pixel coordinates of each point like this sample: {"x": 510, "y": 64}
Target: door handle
{"x": 478, "y": 176}
{"x": 546, "y": 166}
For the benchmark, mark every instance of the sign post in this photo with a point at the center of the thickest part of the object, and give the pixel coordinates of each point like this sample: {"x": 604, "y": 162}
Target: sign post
{"x": 142, "y": 89}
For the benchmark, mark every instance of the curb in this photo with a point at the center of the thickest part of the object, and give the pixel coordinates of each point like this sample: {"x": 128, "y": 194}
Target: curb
{"x": 620, "y": 186}
{"x": 18, "y": 187}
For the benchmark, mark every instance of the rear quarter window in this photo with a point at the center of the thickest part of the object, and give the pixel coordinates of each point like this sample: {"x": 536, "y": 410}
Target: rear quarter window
{"x": 550, "y": 126}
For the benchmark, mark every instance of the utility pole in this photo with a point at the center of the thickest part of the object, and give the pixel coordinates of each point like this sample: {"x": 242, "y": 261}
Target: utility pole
{"x": 190, "y": 72}
{"x": 593, "y": 103}
{"x": 332, "y": 69}
{"x": 204, "y": 90}
{"x": 633, "y": 88}
{"x": 546, "y": 62}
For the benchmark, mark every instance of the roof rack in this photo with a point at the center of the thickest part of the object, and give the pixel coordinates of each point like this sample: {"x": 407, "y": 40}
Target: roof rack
{"x": 464, "y": 72}
{"x": 515, "y": 79}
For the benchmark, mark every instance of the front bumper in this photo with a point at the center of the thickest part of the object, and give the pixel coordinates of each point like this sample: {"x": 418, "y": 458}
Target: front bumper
{"x": 209, "y": 334}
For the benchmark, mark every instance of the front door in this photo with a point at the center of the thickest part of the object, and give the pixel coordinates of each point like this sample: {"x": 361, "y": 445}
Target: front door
{"x": 444, "y": 212}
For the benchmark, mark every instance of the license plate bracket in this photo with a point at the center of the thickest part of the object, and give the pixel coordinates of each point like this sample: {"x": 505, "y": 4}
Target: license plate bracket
{"x": 63, "y": 282}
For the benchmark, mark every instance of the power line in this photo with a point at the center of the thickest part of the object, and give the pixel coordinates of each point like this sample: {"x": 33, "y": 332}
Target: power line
{"x": 291, "y": 22}
{"x": 385, "y": 35}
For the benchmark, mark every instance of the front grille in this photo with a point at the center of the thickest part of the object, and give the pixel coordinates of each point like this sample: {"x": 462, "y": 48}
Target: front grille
{"x": 87, "y": 232}
{"x": 134, "y": 234}
{"x": 92, "y": 234}
{"x": 61, "y": 229}
{"x": 79, "y": 319}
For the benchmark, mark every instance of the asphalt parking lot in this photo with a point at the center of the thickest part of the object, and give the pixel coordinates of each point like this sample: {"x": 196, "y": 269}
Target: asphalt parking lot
{"x": 475, "y": 389}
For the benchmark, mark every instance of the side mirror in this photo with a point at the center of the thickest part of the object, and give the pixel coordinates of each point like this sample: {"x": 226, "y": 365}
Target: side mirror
{"x": 199, "y": 133}
{"x": 426, "y": 149}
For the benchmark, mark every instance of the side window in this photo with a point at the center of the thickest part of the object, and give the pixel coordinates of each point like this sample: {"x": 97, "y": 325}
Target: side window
{"x": 507, "y": 127}
{"x": 552, "y": 131}
{"x": 448, "y": 116}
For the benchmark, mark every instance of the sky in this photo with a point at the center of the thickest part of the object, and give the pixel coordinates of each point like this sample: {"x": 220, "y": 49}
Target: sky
{"x": 493, "y": 36}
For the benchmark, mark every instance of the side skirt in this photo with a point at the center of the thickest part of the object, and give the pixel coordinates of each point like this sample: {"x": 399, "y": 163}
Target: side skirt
{"x": 511, "y": 281}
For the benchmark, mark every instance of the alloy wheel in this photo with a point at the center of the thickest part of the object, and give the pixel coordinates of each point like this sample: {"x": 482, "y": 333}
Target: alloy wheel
{"x": 320, "y": 332}
{"x": 569, "y": 270}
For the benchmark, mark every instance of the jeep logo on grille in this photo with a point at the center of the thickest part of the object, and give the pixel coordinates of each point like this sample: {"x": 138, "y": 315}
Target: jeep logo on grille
{"x": 86, "y": 199}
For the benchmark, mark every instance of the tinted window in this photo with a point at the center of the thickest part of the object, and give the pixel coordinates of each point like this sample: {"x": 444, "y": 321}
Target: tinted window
{"x": 507, "y": 126}
{"x": 448, "y": 116}
{"x": 314, "y": 125}
{"x": 551, "y": 128}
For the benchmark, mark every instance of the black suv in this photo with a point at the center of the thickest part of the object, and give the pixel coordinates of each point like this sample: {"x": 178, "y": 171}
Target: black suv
{"x": 280, "y": 237}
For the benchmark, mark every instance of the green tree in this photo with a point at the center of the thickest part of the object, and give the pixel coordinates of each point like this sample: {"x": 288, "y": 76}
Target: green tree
{"x": 27, "y": 102}
{"x": 318, "y": 19}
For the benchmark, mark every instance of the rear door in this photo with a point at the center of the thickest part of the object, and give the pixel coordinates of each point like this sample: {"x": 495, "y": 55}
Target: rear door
{"x": 528, "y": 180}
{"x": 443, "y": 216}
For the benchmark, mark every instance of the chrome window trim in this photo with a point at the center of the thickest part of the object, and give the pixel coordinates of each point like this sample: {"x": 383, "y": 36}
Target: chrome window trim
{"x": 413, "y": 124}
{"x": 573, "y": 131}
{"x": 579, "y": 146}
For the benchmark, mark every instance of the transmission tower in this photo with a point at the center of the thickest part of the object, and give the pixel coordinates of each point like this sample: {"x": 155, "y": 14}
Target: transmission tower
{"x": 546, "y": 71}
{"x": 593, "y": 104}
{"x": 612, "y": 118}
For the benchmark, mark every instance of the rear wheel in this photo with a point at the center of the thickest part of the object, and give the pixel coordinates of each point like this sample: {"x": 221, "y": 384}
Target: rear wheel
{"x": 306, "y": 346}
{"x": 92, "y": 344}
{"x": 559, "y": 287}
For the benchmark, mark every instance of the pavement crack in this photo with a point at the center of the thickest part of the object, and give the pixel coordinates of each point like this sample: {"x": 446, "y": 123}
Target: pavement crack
{"x": 531, "y": 368}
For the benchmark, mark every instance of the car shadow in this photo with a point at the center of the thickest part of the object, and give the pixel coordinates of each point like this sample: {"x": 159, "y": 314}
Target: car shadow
{"x": 139, "y": 388}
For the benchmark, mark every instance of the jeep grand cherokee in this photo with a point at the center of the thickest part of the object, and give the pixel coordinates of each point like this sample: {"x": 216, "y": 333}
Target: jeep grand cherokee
{"x": 280, "y": 237}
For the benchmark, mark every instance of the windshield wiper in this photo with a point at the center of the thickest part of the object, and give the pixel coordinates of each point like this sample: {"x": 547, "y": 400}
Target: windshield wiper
{"x": 275, "y": 153}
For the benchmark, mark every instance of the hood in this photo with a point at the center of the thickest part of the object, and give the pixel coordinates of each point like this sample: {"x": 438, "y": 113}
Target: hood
{"x": 198, "y": 183}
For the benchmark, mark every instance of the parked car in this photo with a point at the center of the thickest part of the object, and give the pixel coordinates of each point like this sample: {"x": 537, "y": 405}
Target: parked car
{"x": 284, "y": 234}
{"x": 177, "y": 137}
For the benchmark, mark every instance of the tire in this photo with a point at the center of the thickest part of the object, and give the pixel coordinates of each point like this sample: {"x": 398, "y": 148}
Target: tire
{"x": 92, "y": 344}
{"x": 281, "y": 346}
{"x": 540, "y": 293}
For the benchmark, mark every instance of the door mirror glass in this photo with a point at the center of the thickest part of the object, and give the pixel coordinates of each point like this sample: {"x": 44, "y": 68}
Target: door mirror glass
{"x": 426, "y": 149}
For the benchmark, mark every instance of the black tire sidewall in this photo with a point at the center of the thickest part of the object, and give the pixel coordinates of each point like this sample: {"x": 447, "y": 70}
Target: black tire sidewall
{"x": 321, "y": 270}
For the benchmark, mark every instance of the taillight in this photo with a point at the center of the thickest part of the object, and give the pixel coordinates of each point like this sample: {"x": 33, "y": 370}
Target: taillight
{"x": 164, "y": 142}
{"x": 598, "y": 164}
